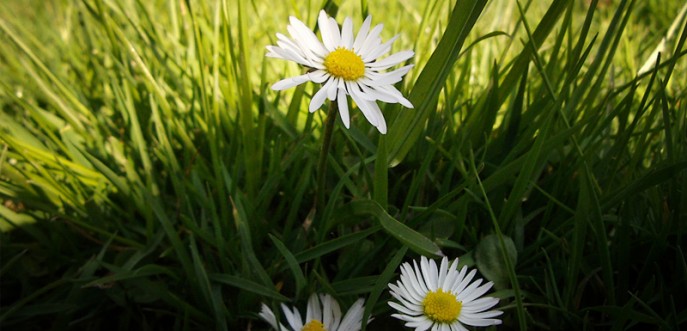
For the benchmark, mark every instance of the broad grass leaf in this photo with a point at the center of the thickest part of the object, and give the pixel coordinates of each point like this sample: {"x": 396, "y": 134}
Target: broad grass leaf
{"x": 490, "y": 259}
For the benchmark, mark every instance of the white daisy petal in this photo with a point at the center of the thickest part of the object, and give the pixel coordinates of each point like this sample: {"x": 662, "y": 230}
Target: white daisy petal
{"x": 347, "y": 33}
{"x": 417, "y": 275}
{"x": 309, "y": 38}
{"x": 336, "y": 314}
{"x": 343, "y": 108}
{"x": 298, "y": 39}
{"x": 403, "y": 309}
{"x": 272, "y": 54}
{"x": 394, "y": 94}
{"x": 325, "y": 31}
{"x": 469, "y": 320}
{"x": 362, "y": 34}
{"x": 412, "y": 287}
{"x": 374, "y": 108}
{"x": 429, "y": 272}
{"x": 452, "y": 275}
{"x": 371, "y": 94}
{"x": 435, "y": 308}
{"x": 290, "y": 46}
{"x": 303, "y": 46}
{"x": 404, "y": 317}
{"x": 392, "y": 60}
{"x": 379, "y": 51}
{"x": 443, "y": 272}
{"x": 373, "y": 78}
{"x": 420, "y": 325}
{"x": 318, "y": 76}
{"x": 293, "y": 317}
{"x": 479, "y": 291}
{"x": 401, "y": 290}
{"x": 465, "y": 281}
{"x": 354, "y": 317}
{"x": 334, "y": 32}
{"x": 486, "y": 314}
{"x": 378, "y": 94}
{"x": 466, "y": 293}
{"x": 369, "y": 115}
{"x": 331, "y": 90}
{"x": 286, "y": 40}
{"x": 370, "y": 109}
{"x": 328, "y": 311}
{"x": 318, "y": 98}
{"x": 268, "y": 316}
{"x": 406, "y": 103}
{"x": 290, "y": 82}
{"x": 284, "y": 54}
{"x": 481, "y": 304}
{"x": 459, "y": 278}
{"x": 408, "y": 303}
{"x": 287, "y": 52}
{"x": 371, "y": 41}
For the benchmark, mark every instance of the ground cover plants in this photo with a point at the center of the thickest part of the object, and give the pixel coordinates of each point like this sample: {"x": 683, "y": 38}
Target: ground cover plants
{"x": 151, "y": 177}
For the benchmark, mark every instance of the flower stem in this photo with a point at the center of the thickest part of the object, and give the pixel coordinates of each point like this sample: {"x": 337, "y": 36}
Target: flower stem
{"x": 324, "y": 152}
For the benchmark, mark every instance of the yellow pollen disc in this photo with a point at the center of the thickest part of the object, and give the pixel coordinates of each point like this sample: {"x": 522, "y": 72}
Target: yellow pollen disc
{"x": 441, "y": 307}
{"x": 344, "y": 64}
{"x": 314, "y": 325}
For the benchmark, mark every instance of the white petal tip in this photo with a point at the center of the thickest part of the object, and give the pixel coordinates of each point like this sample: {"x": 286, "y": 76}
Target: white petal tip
{"x": 382, "y": 128}
{"x": 407, "y": 104}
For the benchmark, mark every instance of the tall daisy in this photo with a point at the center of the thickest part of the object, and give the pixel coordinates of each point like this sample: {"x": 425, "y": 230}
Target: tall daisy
{"x": 345, "y": 65}
{"x": 443, "y": 298}
{"x": 323, "y": 314}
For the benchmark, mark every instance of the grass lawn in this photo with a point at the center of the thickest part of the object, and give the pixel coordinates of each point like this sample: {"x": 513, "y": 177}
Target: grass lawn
{"x": 151, "y": 178}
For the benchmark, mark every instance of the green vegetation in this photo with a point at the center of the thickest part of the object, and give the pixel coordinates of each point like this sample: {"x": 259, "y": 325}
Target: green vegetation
{"x": 151, "y": 179}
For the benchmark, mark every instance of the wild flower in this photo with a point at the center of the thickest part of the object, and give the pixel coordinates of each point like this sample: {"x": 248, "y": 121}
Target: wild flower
{"x": 443, "y": 298}
{"x": 345, "y": 65}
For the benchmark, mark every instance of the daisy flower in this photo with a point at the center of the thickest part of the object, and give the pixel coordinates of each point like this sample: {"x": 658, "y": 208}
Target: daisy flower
{"x": 323, "y": 314}
{"x": 442, "y": 299}
{"x": 345, "y": 65}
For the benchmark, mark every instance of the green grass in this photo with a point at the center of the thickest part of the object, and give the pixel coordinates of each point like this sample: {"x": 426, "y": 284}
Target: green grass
{"x": 150, "y": 178}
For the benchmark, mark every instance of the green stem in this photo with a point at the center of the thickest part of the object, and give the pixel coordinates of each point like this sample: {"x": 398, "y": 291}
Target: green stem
{"x": 324, "y": 152}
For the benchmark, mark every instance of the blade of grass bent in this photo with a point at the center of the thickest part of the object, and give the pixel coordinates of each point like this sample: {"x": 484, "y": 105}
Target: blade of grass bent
{"x": 247, "y": 285}
{"x": 291, "y": 261}
{"x": 409, "y": 237}
{"x": 334, "y": 244}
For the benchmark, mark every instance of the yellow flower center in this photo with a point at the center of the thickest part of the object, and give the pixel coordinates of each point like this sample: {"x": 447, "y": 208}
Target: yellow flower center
{"x": 344, "y": 64}
{"x": 441, "y": 307}
{"x": 314, "y": 325}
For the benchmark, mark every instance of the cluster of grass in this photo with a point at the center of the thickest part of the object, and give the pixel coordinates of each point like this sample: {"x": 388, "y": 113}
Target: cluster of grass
{"x": 150, "y": 179}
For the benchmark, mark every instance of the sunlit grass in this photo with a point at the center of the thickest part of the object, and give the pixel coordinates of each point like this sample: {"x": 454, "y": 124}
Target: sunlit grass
{"x": 150, "y": 178}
